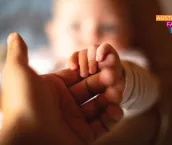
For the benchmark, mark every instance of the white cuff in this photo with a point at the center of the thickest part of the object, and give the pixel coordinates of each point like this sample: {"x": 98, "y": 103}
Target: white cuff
{"x": 129, "y": 82}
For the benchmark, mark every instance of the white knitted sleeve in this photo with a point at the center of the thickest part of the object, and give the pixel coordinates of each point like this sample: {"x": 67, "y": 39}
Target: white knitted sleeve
{"x": 142, "y": 87}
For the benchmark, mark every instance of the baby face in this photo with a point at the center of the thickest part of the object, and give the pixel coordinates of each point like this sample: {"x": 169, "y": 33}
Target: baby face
{"x": 78, "y": 24}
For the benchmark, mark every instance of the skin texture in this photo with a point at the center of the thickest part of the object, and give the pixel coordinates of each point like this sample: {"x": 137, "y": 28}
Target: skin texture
{"x": 41, "y": 109}
{"x": 143, "y": 14}
{"x": 46, "y": 109}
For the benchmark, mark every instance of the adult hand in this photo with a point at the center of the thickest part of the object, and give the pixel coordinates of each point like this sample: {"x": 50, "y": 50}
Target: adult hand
{"x": 47, "y": 109}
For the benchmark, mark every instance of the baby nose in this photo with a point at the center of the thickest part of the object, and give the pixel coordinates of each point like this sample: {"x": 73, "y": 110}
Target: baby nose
{"x": 91, "y": 37}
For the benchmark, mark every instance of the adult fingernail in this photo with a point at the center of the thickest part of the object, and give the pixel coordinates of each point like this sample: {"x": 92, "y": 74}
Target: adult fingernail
{"x": 11, "y": 37}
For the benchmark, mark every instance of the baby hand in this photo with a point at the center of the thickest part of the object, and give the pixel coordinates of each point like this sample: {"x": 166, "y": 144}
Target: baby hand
{"x": 103, "y": 59}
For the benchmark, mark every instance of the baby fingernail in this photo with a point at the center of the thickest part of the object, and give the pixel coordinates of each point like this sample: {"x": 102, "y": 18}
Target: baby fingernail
{"x": 83, "y": 75}
{"x": 92, "y": 70}
{"x": 98, "y": 58}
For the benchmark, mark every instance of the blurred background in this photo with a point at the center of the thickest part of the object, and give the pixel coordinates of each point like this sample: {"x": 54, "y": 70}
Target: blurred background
{"x": 28, "y": 17}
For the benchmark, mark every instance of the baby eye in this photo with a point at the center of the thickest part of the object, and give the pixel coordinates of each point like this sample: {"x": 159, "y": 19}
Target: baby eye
{"x": 108, "y": 28}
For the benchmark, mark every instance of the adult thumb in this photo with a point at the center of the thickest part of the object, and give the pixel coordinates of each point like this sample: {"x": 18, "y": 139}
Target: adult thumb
{"x": 17, "y": 52}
